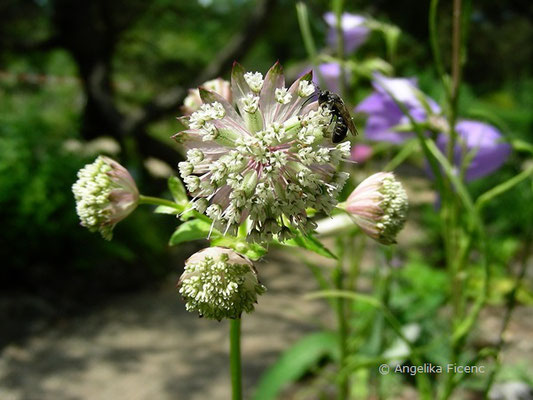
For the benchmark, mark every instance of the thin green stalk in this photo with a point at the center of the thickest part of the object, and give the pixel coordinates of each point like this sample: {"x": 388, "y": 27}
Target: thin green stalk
{"x": 434, "y": 39}
{"x": 357, "y": 251}
{"x": 502, "y": 188}
{"x": 305, "y": 29}
{"x": 407, "y": 149}
{"x": 307, "y": 37}
{"x": 338, "y": 6}
{"x": 235, "y": 359}
{"x": 156, "y": 201}
{"x": 342, "y": 325}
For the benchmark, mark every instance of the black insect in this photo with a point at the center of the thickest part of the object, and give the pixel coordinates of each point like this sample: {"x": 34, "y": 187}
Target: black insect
{"x": 338, "y": 109}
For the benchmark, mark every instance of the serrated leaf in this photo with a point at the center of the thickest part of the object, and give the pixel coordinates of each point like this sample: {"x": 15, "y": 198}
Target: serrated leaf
{"x": 295, "y": 362}
{"x": 310, "y": 243}
{"x": 177, "y": 190}
{"x": 191, "y": 230}
{"x": 166, "y": 210}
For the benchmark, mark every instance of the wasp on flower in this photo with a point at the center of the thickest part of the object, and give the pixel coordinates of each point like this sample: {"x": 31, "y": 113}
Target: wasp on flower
{"x": 264, "y": 158}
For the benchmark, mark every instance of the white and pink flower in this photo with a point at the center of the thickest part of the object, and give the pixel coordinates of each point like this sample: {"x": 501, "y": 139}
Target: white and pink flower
{"x": 265, "y": 159}
{"x": 379, "y": 207}
{"x": 105, "y": 194}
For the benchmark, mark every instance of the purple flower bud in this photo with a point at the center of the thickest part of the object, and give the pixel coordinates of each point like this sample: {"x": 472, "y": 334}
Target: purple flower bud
{"x": 386, "y": 121}
{"x": 486, "y": 143}
{"x": 353, "y": 27}
{"x": 379, "y": 206}
{"x": 361, "y": 153}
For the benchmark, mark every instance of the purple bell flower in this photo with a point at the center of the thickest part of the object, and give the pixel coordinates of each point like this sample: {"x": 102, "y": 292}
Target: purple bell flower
{"x": 384, "y": 115}
{"x": 353, "y": 27}
{"x": 331, "y": 74}
{"x": 482, "y": 139}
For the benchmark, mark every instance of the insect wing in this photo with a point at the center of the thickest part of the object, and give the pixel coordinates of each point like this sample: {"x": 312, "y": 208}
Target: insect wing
{"x": 345, "y": 114}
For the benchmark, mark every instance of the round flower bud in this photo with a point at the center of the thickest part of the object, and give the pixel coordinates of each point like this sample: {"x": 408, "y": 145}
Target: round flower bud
{"x": 193, "y": 101}
{"x": 105, "y": 194}
{"x": 219, "y": 283}
{"x": 379, "y": 205}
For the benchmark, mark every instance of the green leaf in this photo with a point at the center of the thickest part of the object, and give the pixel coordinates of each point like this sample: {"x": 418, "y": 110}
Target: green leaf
{"x": 253, "y": 251}
{"x": 177, "y": 190}
{"x": 166, "y": 210}
{"x": 310, "y": 243}
{"x": 295, "y": 362}
{"x": 191, "y": 230}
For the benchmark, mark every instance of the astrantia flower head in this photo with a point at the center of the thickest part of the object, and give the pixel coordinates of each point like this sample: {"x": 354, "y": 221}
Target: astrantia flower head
{"x": 193, "y": 101}
{"x": 105, "y": 194}
{"x": 219, "y": 283}
{"x": 379, "y": 206}
{"x": 266, "y": 158}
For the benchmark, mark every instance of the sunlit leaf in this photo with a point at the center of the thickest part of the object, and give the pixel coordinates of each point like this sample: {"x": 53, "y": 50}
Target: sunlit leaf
{"x": 295, "y": 362}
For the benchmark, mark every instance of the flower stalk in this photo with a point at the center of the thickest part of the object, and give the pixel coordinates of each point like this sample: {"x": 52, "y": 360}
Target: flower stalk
{"x": 235, "y": 358}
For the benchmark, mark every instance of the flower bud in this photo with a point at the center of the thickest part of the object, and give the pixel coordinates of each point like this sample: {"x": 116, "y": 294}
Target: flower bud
{"x": 219, "y": 283}
{"x": 193, "y": 101}
{"x": 379, "y": 206}
{"x": 105, "y": 194}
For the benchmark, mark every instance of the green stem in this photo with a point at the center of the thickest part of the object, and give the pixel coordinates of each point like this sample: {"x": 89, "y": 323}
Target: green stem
{"x": 338, "y": 5}
{"x": 235, "y": 358}
{"x": 342, "y": 325}
{"x": 434, "y": 39}
{"x": 156, "y": 201}
{"x": 502, "y": 188}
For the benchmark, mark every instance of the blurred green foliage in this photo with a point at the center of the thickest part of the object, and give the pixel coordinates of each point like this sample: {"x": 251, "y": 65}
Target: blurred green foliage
{"x": 165, "y": 44}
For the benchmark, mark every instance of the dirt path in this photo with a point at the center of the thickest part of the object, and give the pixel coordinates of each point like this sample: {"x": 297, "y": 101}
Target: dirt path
{"x": 146, "y": 346}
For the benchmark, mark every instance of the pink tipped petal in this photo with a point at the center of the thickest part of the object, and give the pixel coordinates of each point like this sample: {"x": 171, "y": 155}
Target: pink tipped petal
{"x": 184, "y": 121}
{"x": 267, "y": 102}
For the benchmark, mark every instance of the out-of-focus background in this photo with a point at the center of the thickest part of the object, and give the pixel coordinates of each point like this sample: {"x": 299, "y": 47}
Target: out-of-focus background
{"x": 83, "y": 318}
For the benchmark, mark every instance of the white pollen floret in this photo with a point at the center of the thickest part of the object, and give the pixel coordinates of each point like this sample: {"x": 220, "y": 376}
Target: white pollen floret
{"x": 186, "y": 168}
{"x": 195, "y": 156}
{"x": 282, "y": 95}
{"x": 305, "y": 88}
{"x": 209, "y": 131}
{"x": 206, "y": 112}
{"x": 254, "y": 81}
{"x": 250, "y": 103}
